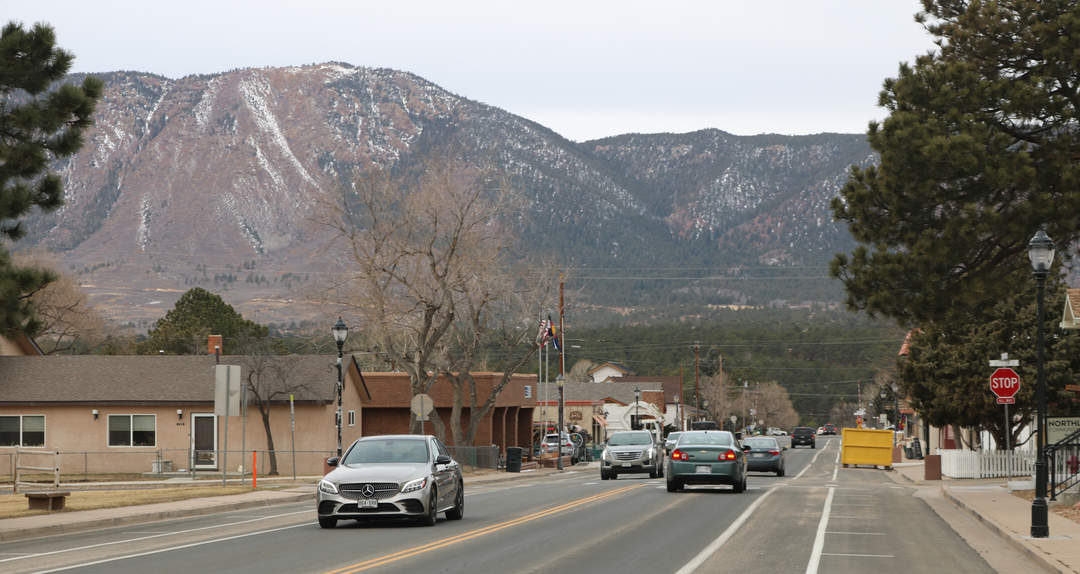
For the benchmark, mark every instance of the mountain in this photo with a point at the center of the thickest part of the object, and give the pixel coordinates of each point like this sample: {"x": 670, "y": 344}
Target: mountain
{"x": 215, "y": 180}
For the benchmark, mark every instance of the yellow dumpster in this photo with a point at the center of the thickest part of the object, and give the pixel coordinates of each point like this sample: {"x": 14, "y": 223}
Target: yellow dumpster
{"x": 866, "y": 446}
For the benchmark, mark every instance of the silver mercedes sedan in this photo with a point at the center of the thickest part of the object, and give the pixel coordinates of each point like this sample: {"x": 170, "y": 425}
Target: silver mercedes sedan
{"x": 392, "y": 476}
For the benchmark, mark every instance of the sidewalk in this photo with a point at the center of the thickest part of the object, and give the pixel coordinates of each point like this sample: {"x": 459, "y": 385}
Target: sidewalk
{"x": 51, "y": 524}
{"x": 990, "y": 501}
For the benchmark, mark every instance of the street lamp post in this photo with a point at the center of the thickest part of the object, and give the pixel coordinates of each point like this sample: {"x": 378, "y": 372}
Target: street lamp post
{"x": 1041, "y": 253}
{"x": 559, "y": 382}
{"x": 637, "y": 417}
{"x": 340, "y": 331}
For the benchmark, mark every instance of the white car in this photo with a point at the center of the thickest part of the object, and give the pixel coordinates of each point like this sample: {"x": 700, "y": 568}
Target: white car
{"x": 777, "y": 432}
{"x": 551, "y": 444}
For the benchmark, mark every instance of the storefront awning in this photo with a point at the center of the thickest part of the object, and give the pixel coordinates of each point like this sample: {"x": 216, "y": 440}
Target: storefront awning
{"x": 599, "y": 420}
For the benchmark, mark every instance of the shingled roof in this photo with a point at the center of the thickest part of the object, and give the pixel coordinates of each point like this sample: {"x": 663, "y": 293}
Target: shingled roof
{"x": 127, "y": 379}
{"x": 621, "y": 392}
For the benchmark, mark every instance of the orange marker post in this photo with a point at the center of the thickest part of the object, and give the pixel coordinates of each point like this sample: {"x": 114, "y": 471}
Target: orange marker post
{"x": 254, "y": 469}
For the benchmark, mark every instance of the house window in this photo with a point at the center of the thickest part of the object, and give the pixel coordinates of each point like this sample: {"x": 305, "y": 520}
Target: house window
{"x": 22, "y": 430}
{"x": 132, "y": 430}
{"x": 352, "y": 418}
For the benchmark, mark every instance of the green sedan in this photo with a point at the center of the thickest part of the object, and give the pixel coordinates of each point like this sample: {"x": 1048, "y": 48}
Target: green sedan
{"x": 706, "y": 457}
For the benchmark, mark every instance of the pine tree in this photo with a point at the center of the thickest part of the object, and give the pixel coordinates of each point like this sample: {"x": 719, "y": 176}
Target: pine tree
{"x": 978, "y": 152}
{"x": 40, "y": 122}
{"x": 199, "y": 313}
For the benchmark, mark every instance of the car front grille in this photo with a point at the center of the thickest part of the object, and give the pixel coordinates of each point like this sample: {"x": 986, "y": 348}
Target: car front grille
{"x": 383, "y": 490}
{"x": 628, "y": 455}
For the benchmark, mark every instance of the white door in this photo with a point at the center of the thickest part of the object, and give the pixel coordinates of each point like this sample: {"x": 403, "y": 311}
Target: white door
{"x": 204, "y": 441}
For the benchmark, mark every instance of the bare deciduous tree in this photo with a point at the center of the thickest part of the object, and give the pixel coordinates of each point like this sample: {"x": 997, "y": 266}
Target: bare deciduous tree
{"x": 427, "y": 259}
{"x": 67, "y": 319}
{"x": 270, "y": 378}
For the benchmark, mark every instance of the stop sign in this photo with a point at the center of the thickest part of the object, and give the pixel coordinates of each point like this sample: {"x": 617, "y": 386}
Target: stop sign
{"x": 1004, "y": 383}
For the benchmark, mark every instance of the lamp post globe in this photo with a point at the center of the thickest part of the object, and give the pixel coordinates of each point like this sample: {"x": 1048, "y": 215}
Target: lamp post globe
{"x": 1041, "y": 254}
{"x": 340, "y": 331}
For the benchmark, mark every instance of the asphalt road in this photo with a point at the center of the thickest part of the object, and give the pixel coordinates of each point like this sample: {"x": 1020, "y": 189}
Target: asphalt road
{"x": 820, "y": 517}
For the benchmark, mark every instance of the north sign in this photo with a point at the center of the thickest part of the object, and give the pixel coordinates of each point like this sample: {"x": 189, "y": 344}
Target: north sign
{"x": 1004, "y": 383}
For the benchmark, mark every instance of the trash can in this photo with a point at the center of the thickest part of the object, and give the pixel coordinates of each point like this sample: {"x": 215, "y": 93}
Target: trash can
{"x": 513, "y": 458}
{"x": 932, "y": 468}
{"x": 908, "y": 453}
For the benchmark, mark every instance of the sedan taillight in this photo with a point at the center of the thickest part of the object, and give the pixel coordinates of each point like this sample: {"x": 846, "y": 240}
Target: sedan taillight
{"x": 679, "y": 455}
{"x": 729, "y": 455}
{"x": 774, "y": 452}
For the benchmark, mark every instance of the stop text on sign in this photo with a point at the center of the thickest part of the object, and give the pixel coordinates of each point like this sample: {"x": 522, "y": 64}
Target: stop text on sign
{"x": 1004, "y": 382}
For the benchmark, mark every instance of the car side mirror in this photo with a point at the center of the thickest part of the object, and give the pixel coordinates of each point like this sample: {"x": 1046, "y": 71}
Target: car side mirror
{"x": 332, "y": 461}
{"x": 443, "y": 459}
{"x": 745, "y": 447}
{"x": 783, "y": 448}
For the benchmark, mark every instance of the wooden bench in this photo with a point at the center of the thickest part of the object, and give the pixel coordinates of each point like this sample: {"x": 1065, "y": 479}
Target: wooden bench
{"x": 47, "y": 499}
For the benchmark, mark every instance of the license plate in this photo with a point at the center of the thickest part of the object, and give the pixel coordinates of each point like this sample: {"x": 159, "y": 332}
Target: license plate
{"x": 627, "y": 465}
{"x": 703, "y": 469}
{"x": 367, "y": 503}
{"x": 759, "y": 455}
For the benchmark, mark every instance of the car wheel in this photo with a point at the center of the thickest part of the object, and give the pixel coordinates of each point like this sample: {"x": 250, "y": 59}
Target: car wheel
{"x": 433, "y": 506}
{"x": 674, "y": 485}
{"x": 740, "y": 486}
{"x": 780, "y": 472}
{"x": 327, "y": 522}
{"x": 458, "y": 511}
{"x": 604, "y": 475}
{"x": 813, "y": 445}
{"x": 654, "y": 473}
{"x": 660, "y": 470}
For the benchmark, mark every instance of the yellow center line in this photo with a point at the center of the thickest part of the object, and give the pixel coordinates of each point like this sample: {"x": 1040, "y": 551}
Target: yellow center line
{"x": 409, "y": 553}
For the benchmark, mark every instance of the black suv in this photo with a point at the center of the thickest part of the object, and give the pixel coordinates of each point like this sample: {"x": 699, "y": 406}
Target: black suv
{"x": 803, "y": 435}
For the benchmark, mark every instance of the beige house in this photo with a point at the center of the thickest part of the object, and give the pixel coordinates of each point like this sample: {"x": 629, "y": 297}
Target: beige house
{"x": 156, "y": 413}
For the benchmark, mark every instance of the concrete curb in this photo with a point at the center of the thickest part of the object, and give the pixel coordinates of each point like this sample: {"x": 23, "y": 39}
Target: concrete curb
{"x": 77, "y": 525}
{"x": 1038, "y": 557}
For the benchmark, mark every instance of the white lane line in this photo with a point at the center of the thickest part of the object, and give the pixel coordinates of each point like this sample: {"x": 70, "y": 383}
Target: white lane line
{"x": 589, "y": 483}
{"x": 848, "y": 504}
{"x": 13, "y": 553}
{"x": 859, "y": 533}
{"x": 715, "y": 545}
{"x": 809, "y": 465}
{"x": 126, "y": 540}
{"x": 863, "y": 555}
{"x": 819, "y": 539}
{"x": 854, "y": 517}
{"x": 171, "y": 548}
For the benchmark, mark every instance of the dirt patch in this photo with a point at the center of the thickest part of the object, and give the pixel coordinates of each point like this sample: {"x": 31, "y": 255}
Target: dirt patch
{"x": 15, "y": 505}
{"x": 1065, "y": 510}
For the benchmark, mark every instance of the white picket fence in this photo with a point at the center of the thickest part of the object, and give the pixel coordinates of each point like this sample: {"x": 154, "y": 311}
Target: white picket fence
{"x": 957, "y": 463}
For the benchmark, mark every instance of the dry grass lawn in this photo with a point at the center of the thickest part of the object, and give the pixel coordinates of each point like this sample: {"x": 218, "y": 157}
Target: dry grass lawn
{"x": 15, "y": 505}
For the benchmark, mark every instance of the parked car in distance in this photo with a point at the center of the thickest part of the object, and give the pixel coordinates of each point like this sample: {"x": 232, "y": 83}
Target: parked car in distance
{"x": 765, "y": 454}
{"x": 551, "y": 443}
{"x": 829, "y": 428}
{"x": 804, "y": 436}
{"x": 631, "y": 451}
{"x": 706, "y": 457}
{"x": 392, "y": 476}
{"x": 776, "y": 432}
{"x": 669, "y": 442}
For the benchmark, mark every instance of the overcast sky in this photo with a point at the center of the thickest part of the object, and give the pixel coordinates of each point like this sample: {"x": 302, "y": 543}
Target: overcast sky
{"x": 585, "y": 68}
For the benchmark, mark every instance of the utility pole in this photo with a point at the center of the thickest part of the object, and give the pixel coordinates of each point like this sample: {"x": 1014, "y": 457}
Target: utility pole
{"x": 697, "y": 401}
{"x": 562, "y": 370}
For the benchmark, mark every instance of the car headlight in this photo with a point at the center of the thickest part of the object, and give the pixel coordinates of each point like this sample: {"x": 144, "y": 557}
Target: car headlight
{"x": 649, "y": 453}
{"x": 414, "y": 485}
{"x": 327, "y": 487}
{"x": 606, "y": 455}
